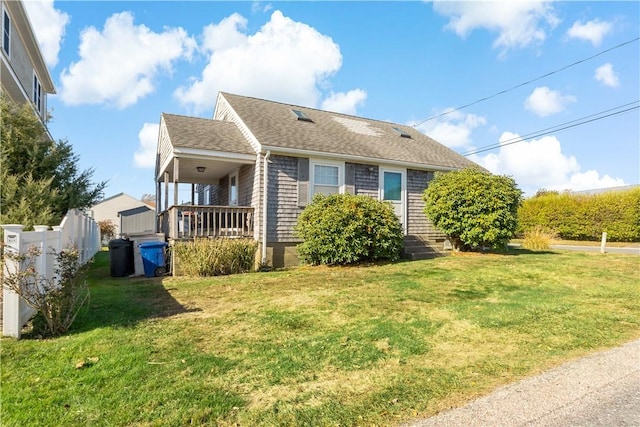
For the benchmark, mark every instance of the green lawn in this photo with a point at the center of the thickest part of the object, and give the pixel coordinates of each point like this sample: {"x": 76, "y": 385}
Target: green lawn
{"x": 376, "y": 345}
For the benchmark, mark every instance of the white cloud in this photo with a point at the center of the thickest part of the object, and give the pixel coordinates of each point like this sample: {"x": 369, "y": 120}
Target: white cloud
{"x": 49, "y": 26}
{"x": 544, "y": 101}
{"x": 118, "y": 64}
{"x": 285, "y": 60}
{"x": 540, "y": 163}
{"x": 593, "y": 31}
{"x": 453, "y": 129}
{"x": 518, "y": 23}
{"x": 145, "y": 155}
{"x": 345, "y": 102}
{"x": 605, "y": 75}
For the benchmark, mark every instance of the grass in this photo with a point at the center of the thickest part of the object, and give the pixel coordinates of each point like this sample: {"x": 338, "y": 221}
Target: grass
{"x": 375, "y": 345}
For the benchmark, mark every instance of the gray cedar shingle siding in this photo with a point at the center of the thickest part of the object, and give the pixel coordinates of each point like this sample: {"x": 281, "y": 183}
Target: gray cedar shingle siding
{"x": 417, "y": 222}
{"x": 245, "y": 185}
{"x": 282, "y": 202}
{"x": 366, "y": 180}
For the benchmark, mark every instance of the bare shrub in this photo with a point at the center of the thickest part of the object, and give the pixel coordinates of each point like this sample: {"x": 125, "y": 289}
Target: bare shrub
{"x": 57, "y": 299}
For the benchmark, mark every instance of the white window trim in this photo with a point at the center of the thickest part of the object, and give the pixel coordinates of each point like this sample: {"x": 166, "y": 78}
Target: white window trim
{"x": 4, "y": 12}
{"x": 234, "y": 174}
{"x": 322, "y": 162}
{"x": 403, "y": 197}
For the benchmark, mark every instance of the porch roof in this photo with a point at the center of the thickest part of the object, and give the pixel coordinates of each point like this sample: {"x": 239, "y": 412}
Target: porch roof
{"x": 206, "y": 134}
{"x": 207, "y": 149}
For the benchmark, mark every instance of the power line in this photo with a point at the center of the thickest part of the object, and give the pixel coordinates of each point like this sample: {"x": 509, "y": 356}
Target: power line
{"x": 564, "y": 126}
{"x": 527, "y": 82}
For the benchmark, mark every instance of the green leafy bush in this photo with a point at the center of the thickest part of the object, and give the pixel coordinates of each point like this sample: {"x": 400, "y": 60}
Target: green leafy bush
{"x": 346, "y": 229}
{"x": 583, "y": 216}
{"x": 214, "y": 257}
{"x": 474, "y": 208}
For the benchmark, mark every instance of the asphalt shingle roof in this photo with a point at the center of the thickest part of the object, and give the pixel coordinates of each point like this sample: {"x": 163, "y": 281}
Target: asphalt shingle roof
{"x": 206, "y": 134}
{"x": 276, "y": 126}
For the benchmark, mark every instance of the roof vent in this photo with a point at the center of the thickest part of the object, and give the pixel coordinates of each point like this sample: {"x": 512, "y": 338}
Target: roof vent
{"x": 302, "y": 116}
{"x": 401, "y": 133}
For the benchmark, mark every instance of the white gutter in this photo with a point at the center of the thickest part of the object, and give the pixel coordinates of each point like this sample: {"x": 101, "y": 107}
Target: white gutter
{"x": 265, "y": 192}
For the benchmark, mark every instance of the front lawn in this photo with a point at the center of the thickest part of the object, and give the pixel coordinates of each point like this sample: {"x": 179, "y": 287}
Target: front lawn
{"x": 377, "y": 345}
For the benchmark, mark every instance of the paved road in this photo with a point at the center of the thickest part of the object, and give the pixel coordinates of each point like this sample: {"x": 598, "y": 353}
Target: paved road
{"x": 601, "y": 390}
{"x": 608, "y": 249}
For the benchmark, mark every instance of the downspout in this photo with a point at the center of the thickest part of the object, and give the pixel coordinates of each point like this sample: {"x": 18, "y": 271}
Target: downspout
{"x": 265, "y": 192}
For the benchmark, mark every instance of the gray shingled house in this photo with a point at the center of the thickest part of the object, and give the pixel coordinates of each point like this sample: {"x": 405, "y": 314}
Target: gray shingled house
{"x": 256, "y": 165}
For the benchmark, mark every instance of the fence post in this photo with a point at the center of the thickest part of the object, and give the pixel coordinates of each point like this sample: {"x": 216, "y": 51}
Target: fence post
{"x": 11, "y": 326}
{"x": 603, "y": 242}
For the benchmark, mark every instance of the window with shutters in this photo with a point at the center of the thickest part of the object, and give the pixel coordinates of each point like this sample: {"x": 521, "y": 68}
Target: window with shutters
{"x": 327, "y": 177}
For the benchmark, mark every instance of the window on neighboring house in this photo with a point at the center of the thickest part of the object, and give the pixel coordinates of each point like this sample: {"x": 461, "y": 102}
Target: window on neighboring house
{"x": 233, "y": 189}
{"x": 326, "y": 179}
{"x": 37, "y": 93}
{"x": 6, "y": 31}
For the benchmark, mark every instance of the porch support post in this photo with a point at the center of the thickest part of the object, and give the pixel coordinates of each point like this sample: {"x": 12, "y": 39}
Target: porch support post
{"x": 176, "y": 180}
{"x": 166, "y": 191}
{"x": 158, "y": 205}
{"x": 193, "y": 194}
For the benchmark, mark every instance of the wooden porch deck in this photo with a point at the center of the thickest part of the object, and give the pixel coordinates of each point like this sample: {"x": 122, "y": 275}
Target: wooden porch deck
{"x": 181, "y": 222}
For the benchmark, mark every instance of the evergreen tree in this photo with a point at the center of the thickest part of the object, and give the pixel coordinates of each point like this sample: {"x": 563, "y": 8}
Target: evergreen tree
{"x": 41, "y": 180}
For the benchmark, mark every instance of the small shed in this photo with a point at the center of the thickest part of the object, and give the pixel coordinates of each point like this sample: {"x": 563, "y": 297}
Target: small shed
{"x": 139, "y": 220}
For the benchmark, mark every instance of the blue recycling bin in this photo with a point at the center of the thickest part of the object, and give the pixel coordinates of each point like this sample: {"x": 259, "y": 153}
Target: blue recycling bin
{"x": 153, "y": 258}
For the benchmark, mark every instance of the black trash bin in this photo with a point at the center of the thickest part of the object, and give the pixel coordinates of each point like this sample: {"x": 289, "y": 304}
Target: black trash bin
{"x": 121, "y": 257}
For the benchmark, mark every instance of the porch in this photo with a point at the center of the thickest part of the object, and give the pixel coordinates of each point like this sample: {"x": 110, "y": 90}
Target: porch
{"x": 195, "y": 221}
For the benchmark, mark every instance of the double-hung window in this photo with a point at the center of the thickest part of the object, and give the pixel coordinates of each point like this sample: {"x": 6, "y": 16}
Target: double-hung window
{"x": 327, "y": 178}
{"x": 37, "y": 93}
{"x": 6, "y": 32}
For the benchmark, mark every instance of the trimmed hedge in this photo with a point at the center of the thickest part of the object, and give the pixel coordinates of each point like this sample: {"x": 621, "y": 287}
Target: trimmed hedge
{"x": 346, "y": 229}
{"x": 584, "y": 217}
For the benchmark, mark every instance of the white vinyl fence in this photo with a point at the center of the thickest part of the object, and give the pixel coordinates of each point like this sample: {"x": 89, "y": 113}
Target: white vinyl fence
{"x": 76, "y": 230}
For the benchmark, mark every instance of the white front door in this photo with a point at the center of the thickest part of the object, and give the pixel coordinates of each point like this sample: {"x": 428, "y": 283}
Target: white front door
{"x": 393, "y": 190}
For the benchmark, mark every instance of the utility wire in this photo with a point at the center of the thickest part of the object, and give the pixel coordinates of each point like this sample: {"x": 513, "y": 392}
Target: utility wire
{"x": 527, "y": 82}
{"x": 557, "y": 128}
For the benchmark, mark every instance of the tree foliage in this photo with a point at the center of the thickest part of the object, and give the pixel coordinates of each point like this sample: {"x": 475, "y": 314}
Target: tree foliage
{"x": 345, "y": 229}
{"x": 44, "y": 180}
{"x": 474, "y": 208}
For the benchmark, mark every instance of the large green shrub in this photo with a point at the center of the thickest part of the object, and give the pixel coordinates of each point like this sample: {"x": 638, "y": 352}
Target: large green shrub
{"x": 474, "y": 208}
{"x": 346, "y": 229}
{"x": 214, "y": 257}
{"x": 584, "y": 216}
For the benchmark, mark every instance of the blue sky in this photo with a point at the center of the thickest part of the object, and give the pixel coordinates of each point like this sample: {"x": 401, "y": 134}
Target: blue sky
{"x": 118, "y": 65}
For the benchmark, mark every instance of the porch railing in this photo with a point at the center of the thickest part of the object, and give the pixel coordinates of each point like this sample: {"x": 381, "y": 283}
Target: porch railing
{"x": 189, "y": 221}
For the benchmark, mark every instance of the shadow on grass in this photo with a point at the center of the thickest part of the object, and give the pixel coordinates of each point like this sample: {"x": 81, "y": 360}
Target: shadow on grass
{"x": 123, "y": 301}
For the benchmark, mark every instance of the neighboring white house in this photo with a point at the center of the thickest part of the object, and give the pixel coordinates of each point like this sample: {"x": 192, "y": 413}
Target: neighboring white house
{"x": 109, "y": 208}
{"x": 24, "y": 76}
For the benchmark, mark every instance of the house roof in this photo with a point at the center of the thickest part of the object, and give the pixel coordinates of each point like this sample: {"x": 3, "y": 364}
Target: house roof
{"x": 277, "y": 127}
{"x": 205, "y": 134}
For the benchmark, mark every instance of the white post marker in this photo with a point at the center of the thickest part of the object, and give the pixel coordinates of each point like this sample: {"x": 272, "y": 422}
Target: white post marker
{"x": 603, "y": 243}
